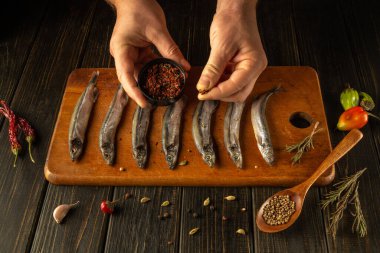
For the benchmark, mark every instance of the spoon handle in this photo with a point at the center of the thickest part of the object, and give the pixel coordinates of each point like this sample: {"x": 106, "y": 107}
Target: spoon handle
{"x": 345, "y": 145}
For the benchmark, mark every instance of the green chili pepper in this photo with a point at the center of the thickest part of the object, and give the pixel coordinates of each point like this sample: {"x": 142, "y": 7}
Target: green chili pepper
{"x": 367, "y": 102}
{"x": 349, "y": 98}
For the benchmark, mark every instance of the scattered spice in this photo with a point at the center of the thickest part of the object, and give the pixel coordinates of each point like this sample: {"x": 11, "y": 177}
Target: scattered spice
{"x": 122, "y": 169}
{"x": 144, "y": 200}
{"x": 240, "y": 231}
{"x": 170, "y": 242}
{"x": 189, "y": 150}
{"x": 230, "y": 198}
{"x": 279, "y": 210}
{"x": 193, "y": 231}
{"x": 345, "y": 192}
{"x": 183, "y": 163}
{"x": 212, "y": 208}
{"x": 195, "y": 215}
{"x": 166, "y": 215}
{"x": 109, "y": 207}
{"x": 304, "y": 146}
{"x": 224, "y": 218}
{"x": 163, "y": 81}
{"x": 206, "y": 202}
{"x": 165, "y": 203}
{"x": 61, "y": 211}
{"x": 243, "y": 209}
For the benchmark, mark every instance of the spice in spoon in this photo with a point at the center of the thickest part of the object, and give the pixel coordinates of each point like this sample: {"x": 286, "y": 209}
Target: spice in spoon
{"x": 279, "y": 210}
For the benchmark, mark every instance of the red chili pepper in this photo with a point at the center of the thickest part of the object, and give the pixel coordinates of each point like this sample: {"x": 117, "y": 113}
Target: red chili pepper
{"x": 355, "y": 117}
{"x": 29, "y": 134}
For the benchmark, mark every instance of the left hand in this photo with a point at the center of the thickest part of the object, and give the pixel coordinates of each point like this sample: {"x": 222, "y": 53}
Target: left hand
{"x": 236, "y": 49}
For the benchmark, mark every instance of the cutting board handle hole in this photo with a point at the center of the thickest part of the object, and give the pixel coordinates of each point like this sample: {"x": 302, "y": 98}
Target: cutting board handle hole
{"x": 301, "y": 119}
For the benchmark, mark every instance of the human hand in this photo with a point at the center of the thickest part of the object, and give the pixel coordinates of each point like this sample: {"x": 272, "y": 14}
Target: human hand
{"x": 236, "y": 49}
{"x": 140, "y": 24}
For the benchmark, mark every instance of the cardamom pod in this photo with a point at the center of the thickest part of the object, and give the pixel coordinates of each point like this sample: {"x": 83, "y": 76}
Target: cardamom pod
{"x": 230, "y": 198}
{"x": 193, "y": 231}
{"x": 240, "y": 231}
{"x": 206, "y": 202}
{"x": 165, "y": 203}
{"x": 144, "y": 200}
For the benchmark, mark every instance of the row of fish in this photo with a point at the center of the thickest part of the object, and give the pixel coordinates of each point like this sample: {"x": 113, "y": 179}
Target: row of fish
{"x": 201, "y": 128}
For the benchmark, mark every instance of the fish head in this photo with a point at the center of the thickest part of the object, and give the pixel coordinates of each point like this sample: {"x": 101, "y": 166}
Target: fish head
{"x": 76, "y": 146}
{"x": 140, "y": 156}
{"x": 237, "y": 159}
{"x": 108, "y": 153}
{"x": 209, "y": 158}
{"x": 171, "y": 158}
{"x": 267, "y": 152}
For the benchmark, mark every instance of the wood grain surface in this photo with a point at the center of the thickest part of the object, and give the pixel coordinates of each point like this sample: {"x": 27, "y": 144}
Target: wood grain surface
{"x": 300, "y": 94}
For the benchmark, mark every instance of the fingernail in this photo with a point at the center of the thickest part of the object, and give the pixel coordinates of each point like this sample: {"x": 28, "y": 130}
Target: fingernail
{"x": 203, "y": 84}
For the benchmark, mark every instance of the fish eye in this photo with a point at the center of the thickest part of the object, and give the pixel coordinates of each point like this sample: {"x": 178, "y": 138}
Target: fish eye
{"x": 169, "y": 158}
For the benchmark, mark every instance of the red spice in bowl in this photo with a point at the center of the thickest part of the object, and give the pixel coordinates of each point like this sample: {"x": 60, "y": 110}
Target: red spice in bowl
{"x": 162, "y": 81}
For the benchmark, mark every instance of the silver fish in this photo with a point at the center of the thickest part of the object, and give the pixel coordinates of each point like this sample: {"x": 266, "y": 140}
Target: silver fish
{"x": 202, "y": 130}
{"x": 260, "y": 126}
{"x": 140, "y": 126}
{"x": 171, "y": 130}
{"x": 81, "y": 116}
{"x": 232, "y": 132}
{"x": 108, "y": 131}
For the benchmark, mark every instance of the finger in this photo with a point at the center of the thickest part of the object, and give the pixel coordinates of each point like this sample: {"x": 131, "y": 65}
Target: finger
{"x": 213, "y": 70}
{"x": 241, "y": 95}
{"x": 169, "y": 49}
{"x": 124, "y": 63}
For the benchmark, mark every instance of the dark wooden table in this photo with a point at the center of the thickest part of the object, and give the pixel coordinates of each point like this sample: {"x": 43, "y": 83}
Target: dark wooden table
{"x": 42, "y": 41}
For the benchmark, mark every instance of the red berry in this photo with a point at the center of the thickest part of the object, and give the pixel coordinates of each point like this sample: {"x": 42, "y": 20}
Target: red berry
{"x": 107, "y": 207}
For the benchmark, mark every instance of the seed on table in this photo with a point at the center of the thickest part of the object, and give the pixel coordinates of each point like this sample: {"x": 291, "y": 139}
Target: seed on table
{"x": 240, "y": 231}
{"x": 212, "y": 208}
{"x": 230, "y": 198}
{"x": 165, "y": 203}
{"x": 195, "y": 215}
{"x": 166, "y": 215}
{"x": 243, "y": 209}
{"x": 144, "y": 200}
{"x": 206, "y": 202}
{"x": 224, "y": 218}
{"x": 193, "y": 231}
{"x": 170, "y": 242}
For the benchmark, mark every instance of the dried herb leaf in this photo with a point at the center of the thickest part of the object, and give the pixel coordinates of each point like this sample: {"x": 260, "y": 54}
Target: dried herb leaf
{"x": 144, "y": 200}
{"x": 304, "y": 146}
{"x": 240, "y": 231}
{"x": 359, "y": 226}
{"x": 230, "y": 198}
{"x": 183, "y": 163}
{"x": 165, "y": 203}
{"x": 206, "y": 202}
{"x": 193, "y": 231}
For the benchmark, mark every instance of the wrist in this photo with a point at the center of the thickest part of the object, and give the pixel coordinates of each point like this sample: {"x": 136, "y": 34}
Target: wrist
{"x": 235, "y": 5}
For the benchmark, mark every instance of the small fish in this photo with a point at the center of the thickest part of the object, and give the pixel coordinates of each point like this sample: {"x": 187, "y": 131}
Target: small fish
{"x": 108, "y": 131}
{"x": 232, "y": 132}
{"x": 140, "y": 126}
{"x": 81, "y": 116}
{"x": 260, "y": 125}
{"x": 202, "y": 130}
{"x": 171, "y": 130}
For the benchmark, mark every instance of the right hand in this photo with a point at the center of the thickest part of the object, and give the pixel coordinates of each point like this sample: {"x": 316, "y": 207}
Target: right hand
{"x": 140, "y": 24}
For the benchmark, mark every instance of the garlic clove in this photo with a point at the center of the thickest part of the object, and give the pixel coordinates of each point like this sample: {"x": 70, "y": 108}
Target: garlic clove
{"x": 61, "y": 211}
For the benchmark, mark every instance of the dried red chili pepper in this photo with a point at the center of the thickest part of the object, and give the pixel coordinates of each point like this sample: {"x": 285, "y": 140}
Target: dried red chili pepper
{"x": 29, "y": 134}
{"x": 163, "y": 81}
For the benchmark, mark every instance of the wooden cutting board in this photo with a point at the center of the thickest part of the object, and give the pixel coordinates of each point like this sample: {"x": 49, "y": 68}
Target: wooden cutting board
{"x": 301, "y": 94}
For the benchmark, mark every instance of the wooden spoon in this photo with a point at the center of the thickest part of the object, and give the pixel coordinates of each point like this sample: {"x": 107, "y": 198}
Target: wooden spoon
{"x": 298, "y": 192}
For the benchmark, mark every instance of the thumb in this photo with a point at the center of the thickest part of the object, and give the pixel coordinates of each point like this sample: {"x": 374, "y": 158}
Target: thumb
{"x": 169, "y": 49}
{"x": 213, "y": 70}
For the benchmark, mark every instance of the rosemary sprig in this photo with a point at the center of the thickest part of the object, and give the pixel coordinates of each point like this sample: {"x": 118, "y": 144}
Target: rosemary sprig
{"x": 359, "y": 226}
{"x": 304, "y": 146}
{"x": 342, "y": 196}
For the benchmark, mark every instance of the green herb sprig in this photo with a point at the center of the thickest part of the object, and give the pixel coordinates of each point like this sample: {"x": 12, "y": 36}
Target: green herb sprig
{"x": 304, "y": 146}
{"x": 346, "y": 192}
